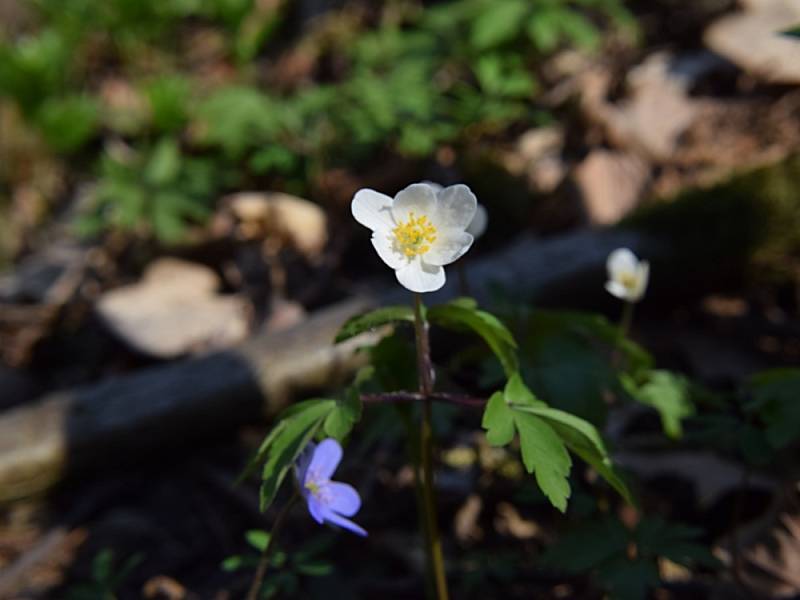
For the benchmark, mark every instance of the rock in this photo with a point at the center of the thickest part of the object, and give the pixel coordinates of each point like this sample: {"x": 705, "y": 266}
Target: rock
{"x": 174, "y": 310}
{"x": 610, "y": 185}
{"x": 751, "y": 39}
{"x": 537, "y": 155}
{"x": 295, "y": 221}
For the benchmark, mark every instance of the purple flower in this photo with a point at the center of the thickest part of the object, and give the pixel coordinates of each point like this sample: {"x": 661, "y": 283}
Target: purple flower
{"x": 328, "y": 501}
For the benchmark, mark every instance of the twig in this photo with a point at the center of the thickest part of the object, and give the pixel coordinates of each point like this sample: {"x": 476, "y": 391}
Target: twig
{"x": 402, "y": 397}
{"x": 263, "y": 564}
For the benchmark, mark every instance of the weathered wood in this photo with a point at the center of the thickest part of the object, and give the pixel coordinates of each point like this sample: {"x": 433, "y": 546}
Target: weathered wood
{"x": 124, "y": 418}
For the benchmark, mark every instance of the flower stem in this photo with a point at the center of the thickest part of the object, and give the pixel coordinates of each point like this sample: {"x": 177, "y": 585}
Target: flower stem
{"x": 266, "y": 555}
{"x": 626, "y": 319}
{"x": 425, "y": 368}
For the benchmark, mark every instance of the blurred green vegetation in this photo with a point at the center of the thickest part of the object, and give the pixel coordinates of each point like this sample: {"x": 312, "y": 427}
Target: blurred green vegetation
{"x": 217, "y": 83}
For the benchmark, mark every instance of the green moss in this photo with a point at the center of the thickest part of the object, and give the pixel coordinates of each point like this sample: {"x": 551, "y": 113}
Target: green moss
{"x": 746, "y": 229}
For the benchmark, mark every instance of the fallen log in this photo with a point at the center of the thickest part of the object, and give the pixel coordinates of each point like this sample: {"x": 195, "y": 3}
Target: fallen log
{"x": 127, "y": 417}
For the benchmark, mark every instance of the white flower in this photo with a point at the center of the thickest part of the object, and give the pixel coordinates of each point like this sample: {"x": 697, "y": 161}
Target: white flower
{"x": 627, "y": 275}
{"x": 418, "y": 232}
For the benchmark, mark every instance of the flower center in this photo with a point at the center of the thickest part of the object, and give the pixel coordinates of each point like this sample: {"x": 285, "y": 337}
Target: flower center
{"x": 628, "y": 281}
{"x": 415, "y": 236}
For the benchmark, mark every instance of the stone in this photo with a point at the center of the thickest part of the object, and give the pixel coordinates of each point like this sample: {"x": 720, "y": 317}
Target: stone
{"x": 297, "y": 222}
{"x": 174, "y": 310}
{"x": 610, "y": 185}
{"x": 752, "y": 40}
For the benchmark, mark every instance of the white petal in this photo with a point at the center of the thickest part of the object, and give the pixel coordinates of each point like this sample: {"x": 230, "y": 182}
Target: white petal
{"x": 448, "y": 247}
{"x": 479, "y": 222}
{"x": 617, "y": 290}
{"x": 419, "y": 277}
{"x": 456, "y": 206}
{"x": 419, "y": 198}
{"x": 621, "y": 261}
{"x": 373, "y": 209}
{"x": 384, "y": 246}
{"x": 642, "y": 278}
{"x": 436, "y": 187}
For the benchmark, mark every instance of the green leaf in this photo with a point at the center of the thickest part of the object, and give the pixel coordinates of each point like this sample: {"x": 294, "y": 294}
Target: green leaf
{"x": 284, "y": 448}
{"x": 582, "y": 438}
{"x": 168, "y": 97}
{"x": 629, "y": 580}
{"x": 257, "y": 538}
{"x": 568, "y": 359}
{"x": 371, "y": 320}
{"x": 544, "y": 454}
{"x": 500, "y": 23}
{"x": 587, "y": 547}
{"x": 317, "y": 568}
{"x": 232, "y": 563}
{"x": 103, "y": 565}
{"x": 669, "y": 395}
{"x": 517, "y": 393}
{"x": 346, "y": 414}
{"x": 164, "y": 164}
{"x": 494, "y": 333}
{"x": 498, "y": 420}
{"x": 68, "y": 123}
{"x": 775, "y": 394}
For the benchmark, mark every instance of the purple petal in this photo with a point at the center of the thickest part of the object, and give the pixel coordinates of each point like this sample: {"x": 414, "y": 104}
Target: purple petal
{"x": 341, "y": 498}
{"x": 332, "y": 517}
{"x": 302, "y": 463}
{"x": 325, "y": 460}
{"x": 319, "y": 512}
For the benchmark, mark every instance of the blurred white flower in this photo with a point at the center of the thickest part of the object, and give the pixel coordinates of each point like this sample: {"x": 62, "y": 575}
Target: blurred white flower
{"x": 627, "y": 275}
{"x": 419, "y": 231}
{"x": 479, "y": 222}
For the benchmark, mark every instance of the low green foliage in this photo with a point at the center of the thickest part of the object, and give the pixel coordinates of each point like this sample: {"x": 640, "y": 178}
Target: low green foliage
{"x": 405, "y": 83}
{"x": 107, "y": 577}
{"x": 624, "y": 561}
{"x": 159, "y": 192}
{"x": 288, "y": 569}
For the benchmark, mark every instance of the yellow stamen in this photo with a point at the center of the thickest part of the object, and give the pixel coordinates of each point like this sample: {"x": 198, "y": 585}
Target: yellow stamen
{"x": 629, "y": 280}
{"x": 415, "y": 236}
{"x": 312, "y": 487}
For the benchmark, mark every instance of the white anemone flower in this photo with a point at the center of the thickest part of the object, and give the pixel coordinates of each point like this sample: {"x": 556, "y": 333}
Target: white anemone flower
{"x": 419, "y": 231}
{"x": 627, "y": 275}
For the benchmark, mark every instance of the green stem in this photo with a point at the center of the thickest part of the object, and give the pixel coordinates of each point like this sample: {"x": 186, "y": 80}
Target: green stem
{"x": 626, "y": 319}
{"x": 266, "y": 555}
{"x": 425, "y": 368}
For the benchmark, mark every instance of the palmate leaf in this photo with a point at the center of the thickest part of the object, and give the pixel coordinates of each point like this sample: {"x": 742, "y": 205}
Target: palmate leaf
{"x": 295, "y": 428}
{"x": 371, "y": 320}
{"x": 543, "y": 452}
{"x": 668, "y": 394}
{"x": 583, "y": 439}
{"x": 348, "y": 409}
{"x": 460, "y": 314}
{"x": 545, "y": 434}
